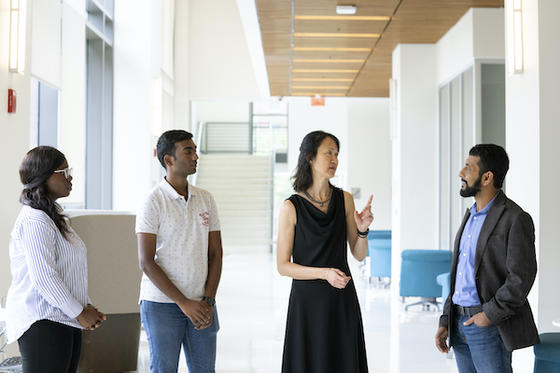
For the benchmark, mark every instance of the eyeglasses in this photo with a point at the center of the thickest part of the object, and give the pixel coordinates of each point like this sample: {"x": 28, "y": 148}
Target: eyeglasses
{"x": 67, "y": 172}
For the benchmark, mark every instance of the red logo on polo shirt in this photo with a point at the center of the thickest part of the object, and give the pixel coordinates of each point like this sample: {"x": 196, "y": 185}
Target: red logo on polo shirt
{"x": 205, "y": 218}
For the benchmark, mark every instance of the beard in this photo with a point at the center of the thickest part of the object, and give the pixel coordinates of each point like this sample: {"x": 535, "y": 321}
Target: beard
{"x": 470, "y": 191}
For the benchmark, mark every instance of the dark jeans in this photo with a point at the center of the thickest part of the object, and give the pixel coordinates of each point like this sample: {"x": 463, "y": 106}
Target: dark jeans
{"x": 167, "y": 328}
{"x": 50, "y": 347}
{"x": 479, "y": 350}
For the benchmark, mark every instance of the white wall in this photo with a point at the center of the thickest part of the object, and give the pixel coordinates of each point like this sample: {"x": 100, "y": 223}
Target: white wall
{"x": 532, "y": 113}
{"x": 46, "y": 41}
{"x": 72, "y": 115}
{"x": 478, "y": 34}
{"x": 488, "y": 33}
{"x": 250, "y": 22}
{"x": 14, "y": 142}
{"x": 369, "y": 156}
{"x": 454, "y": 51}
{"x": 526, "y": 126}
{"x": 220, "y": 65}
{"x": 549, "y": 81}
{"x": 415, "y": 152}
{"x": 414, "y": 124}
{"x": 181, "y": 65}
{"x": 137, "y": 97}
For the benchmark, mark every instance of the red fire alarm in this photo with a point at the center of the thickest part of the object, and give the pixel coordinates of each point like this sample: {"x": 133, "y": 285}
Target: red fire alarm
{"x": 11, "y": 101}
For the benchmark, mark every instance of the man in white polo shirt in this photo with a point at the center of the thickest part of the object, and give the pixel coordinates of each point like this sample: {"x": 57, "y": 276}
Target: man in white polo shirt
{"x": 180, "y": 253}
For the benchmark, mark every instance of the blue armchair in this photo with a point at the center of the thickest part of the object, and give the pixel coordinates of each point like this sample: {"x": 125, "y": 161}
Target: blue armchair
{"x": 379, "y": 243}
{"x": 547, "y": 353}
{"x": 419, "y": 269}
{"x": 444, "y": 281}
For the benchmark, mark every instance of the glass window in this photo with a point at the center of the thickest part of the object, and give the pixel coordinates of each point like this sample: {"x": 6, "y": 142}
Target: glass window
{"x": 45, "y": 113}
{"x": 99, "y": 119}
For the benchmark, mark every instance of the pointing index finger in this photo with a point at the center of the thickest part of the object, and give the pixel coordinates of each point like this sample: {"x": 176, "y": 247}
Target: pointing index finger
{"x": 370, "y": 199}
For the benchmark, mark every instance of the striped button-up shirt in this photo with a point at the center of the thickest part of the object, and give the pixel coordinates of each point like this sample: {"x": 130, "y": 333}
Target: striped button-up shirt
{"x": 49, "y": 274}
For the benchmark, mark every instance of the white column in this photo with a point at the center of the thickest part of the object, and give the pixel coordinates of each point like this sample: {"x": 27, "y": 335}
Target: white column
{"x": 415, "y": 179}
{"x": 532, "y": 132}
{"x": 415, "y": 151}
{"x": 132, "y": 103}
{"x": 181, "y": 67}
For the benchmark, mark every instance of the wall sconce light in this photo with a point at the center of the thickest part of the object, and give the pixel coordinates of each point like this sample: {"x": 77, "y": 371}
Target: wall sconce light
{"x": 515, "y": 36}
{"x": 17, "y": 36}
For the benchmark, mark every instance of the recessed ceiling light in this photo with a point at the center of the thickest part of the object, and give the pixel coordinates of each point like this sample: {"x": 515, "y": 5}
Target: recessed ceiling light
{"x": 342, "y": 18}
{"x": 322, "y": 79}
{"x": 325, "y": 70}
{"x": 346, "y": 9}
{"x": 317, "y": 93}
{"x": 337, "y": 87}
{"x": 327, "y": 60}
{"x": 334, "y": 35}
{"x": 326, "y": 49}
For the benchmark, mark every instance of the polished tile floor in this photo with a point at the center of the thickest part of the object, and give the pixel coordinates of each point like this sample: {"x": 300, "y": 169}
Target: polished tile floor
{"x": 252, "y": 303}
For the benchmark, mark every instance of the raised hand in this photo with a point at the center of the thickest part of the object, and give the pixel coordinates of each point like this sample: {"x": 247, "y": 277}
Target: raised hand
{"x": 337, "y": 278}
{"x": 364, "y": 218}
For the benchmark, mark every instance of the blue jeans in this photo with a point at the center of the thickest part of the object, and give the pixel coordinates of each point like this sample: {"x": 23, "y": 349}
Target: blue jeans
{"x": 167, "y": 328}
{"x": 478, "y": 349}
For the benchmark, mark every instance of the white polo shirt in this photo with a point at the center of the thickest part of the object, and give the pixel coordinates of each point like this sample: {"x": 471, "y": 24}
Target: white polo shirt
{"x": 182, "y": 228}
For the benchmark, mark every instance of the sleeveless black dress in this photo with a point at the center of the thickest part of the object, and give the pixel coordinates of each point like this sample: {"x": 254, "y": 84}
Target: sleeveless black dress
{"x": 324, "y": 331}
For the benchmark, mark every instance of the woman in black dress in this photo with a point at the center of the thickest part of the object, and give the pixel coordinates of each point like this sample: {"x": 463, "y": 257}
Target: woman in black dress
{"x": 324, "y": 330}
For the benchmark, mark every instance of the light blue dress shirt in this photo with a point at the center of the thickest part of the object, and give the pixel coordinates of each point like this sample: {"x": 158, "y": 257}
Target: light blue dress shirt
{"x": 465, "y": 287}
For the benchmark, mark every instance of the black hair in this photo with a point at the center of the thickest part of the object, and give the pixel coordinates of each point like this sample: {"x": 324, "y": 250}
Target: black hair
{"x": 303, "y": 177}
{"x": 493, "y": 158}
{"x": 166, "y": 143}
{"x": 37, "y": 166}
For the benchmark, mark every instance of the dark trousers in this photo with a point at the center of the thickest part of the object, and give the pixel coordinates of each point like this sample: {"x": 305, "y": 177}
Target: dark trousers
{"x": 50, "y": 347}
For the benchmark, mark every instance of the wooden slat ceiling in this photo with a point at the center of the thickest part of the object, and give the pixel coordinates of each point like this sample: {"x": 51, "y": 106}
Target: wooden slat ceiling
{"x": 347, "y": 56}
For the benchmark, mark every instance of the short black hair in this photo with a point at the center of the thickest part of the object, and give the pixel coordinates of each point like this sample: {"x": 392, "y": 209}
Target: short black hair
{"x": 493, "y": 158}
{"x": 166, "y": 143}
{"x": 303, "y": 177}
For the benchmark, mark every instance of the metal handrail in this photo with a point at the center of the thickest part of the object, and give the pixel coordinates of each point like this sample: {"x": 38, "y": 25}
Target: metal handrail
{"x": 246, "y": 126}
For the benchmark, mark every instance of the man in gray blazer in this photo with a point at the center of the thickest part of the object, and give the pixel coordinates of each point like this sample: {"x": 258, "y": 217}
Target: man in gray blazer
{"x": 486, "y": 315}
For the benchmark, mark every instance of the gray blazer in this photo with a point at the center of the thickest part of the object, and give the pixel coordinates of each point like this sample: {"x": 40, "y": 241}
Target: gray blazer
{"x": 505, "y": 267}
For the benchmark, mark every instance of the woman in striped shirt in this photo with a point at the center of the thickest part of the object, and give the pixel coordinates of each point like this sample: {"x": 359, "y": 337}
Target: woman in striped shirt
{"x": 47, "y": 303}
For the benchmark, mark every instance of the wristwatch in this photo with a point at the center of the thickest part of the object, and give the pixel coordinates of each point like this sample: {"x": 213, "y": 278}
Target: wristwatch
{"x": 211, "y": 301}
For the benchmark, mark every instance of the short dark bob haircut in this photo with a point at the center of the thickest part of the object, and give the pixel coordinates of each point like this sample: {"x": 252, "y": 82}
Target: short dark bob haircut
{"x": 493, "y": 158}
{"x": 166, "y": 143}
{"x": 303, "y": 177}
{"x": 37, "y": 166}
